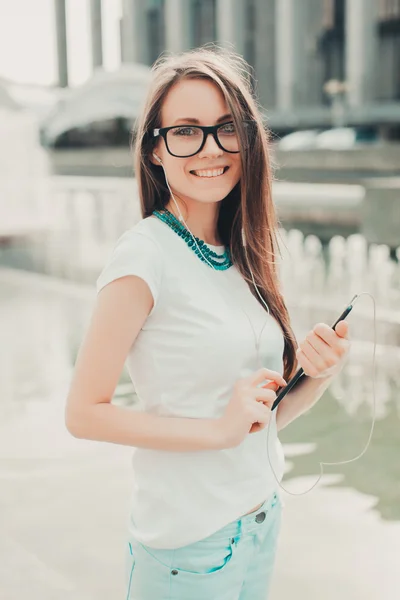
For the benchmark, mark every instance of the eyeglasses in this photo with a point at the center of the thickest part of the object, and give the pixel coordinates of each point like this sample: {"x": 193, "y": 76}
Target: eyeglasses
{"x": 183, "y": 141}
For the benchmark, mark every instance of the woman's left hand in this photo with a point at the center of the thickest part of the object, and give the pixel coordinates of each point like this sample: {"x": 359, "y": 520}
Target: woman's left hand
{"x": 323, "y": 352}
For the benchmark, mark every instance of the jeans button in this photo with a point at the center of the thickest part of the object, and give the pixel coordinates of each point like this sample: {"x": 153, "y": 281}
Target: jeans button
{"x": 174, "y": 572}
{"x": 260, "y": 517}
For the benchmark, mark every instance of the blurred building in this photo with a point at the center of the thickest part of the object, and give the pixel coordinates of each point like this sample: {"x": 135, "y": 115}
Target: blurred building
{"x": 295, "y": 47}
{"x": 101, "y": 112}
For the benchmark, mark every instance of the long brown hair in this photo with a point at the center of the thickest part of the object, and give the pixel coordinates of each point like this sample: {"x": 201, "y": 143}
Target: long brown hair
{"x": 249, "y": 205}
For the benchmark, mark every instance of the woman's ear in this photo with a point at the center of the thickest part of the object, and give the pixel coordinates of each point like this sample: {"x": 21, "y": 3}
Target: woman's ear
{"x": 154, "y": 158}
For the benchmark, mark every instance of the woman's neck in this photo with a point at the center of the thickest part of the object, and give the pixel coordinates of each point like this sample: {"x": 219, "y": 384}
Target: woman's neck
{"x": 201, "y": 219}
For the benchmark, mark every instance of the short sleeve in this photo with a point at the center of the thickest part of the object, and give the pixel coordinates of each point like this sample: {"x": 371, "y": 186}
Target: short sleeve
{"x": 134, "y": 253}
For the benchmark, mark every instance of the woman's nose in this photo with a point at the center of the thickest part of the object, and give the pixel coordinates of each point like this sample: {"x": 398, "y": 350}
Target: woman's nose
{"x": 211, "y": 147}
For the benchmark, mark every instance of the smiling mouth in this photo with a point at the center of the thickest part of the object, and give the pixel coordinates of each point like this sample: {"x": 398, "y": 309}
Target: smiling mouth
{"x": 209, "y": 173}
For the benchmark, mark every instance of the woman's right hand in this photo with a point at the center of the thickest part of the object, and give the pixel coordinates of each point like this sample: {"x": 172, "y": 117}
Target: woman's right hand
{"x": 249, "y": 409}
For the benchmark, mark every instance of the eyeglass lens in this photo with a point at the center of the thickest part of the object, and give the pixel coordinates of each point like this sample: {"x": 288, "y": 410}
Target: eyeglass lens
{"x": 187, "y": 139}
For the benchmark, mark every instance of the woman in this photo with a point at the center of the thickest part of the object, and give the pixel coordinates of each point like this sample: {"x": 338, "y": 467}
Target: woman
{"x": 205, "y": 345}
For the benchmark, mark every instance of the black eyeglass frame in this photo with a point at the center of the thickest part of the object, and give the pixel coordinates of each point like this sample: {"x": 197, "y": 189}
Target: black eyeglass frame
{"x": 162, "y": 131}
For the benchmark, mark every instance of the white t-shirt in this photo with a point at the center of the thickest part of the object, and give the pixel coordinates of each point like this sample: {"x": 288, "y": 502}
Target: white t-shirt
{"x": 193, "y": 347}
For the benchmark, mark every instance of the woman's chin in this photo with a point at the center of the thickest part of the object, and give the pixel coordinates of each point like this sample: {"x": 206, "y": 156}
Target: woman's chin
{"x": 210, "y": 191}
{"x": 212, "y": 196}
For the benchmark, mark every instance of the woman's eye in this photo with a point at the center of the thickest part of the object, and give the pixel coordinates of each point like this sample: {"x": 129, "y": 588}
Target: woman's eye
{"x": 185, "y": 131}
{"x": 228, "y": 128}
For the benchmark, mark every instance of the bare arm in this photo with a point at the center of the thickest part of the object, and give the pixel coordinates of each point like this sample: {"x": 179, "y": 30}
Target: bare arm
{"x": 300, "y": 399}
{"x": 321, "y": 356}
{"x": 121, "y": 309}
{"x": 109, "y": 423}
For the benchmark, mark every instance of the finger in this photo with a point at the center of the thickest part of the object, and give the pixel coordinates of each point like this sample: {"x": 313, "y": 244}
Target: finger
{"x": 257, "y": 427}
{"x": 262, "y": 414}
{"x": 326, "y": 333}
{"x": 263, "y": 374}
{"x": 267, "y": 397}
{"x": 342, "y": 329}
{"x": 335, "y": 342}
{"x": 306, "y": 365}
{"x": 313, "y": 357}
{"x": 325, "y": 355}
{"x": 271, "y": 386}
{"x": 316, "y": 342}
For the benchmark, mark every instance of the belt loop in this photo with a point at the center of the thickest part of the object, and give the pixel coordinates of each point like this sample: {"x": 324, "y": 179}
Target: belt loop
{"x": 239, "y": 534}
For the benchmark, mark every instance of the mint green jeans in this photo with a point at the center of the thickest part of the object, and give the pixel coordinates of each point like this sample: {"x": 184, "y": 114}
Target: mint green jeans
{"x": 234, "y": 563}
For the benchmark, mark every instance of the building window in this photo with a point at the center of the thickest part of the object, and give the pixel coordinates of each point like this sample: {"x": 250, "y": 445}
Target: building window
{"x": 155, "y": 30}
{"x": 332, "y": 41}
{"x": 382, "y": 10}
{"x": 328, "y": 15}
{"x": 339, "y": 13}
{"x": 389, "y": 50}
{"x": 203, "y": 21}
{"x": 389, "y": 10}
{"x": 249, "y": 32}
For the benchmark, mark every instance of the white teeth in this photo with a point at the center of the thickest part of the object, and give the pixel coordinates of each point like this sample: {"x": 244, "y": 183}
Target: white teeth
{"x": 215, "y": 173}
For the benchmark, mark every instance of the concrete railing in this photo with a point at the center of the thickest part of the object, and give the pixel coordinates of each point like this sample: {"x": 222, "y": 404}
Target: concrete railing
{"x": 372, "y": 209}
{"x": 365, "y": 159}
{"x": 89, "y": 214}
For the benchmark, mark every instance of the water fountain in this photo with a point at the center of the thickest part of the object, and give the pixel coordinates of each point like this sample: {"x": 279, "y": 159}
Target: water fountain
{"x": 318, "y": 280}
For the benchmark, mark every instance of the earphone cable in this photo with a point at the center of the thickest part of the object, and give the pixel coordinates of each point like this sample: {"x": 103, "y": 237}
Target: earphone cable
{"x": 258, "y": 358}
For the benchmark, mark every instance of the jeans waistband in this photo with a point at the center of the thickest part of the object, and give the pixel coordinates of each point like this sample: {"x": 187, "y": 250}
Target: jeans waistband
{"x": 248, "y": 523}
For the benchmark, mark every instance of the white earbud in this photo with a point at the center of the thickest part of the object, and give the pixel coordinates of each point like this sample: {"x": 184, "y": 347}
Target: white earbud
{"x": 157, "y": 158}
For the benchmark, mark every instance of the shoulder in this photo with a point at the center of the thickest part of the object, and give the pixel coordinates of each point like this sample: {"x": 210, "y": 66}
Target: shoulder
{"x": 136, "y": 252}
{"x": 143, "y": 233}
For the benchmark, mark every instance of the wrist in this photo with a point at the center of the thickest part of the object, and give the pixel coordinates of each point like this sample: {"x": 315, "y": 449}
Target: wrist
{"x": 218, "y": 434}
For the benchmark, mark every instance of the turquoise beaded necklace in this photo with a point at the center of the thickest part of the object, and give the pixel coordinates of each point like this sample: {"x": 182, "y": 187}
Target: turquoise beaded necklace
{"x": 220, "y": 262}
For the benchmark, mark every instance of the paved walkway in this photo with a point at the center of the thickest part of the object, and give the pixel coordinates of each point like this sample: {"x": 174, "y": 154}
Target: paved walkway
{"x": 64, "y": 504}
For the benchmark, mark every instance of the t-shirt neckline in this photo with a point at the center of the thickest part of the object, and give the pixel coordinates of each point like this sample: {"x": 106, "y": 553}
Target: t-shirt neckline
{"x": 212, "y": 246}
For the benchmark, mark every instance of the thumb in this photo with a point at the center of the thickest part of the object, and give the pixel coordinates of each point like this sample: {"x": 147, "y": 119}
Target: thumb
{"x": 272, "y": 385}
{"x": 342, "y": 329}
